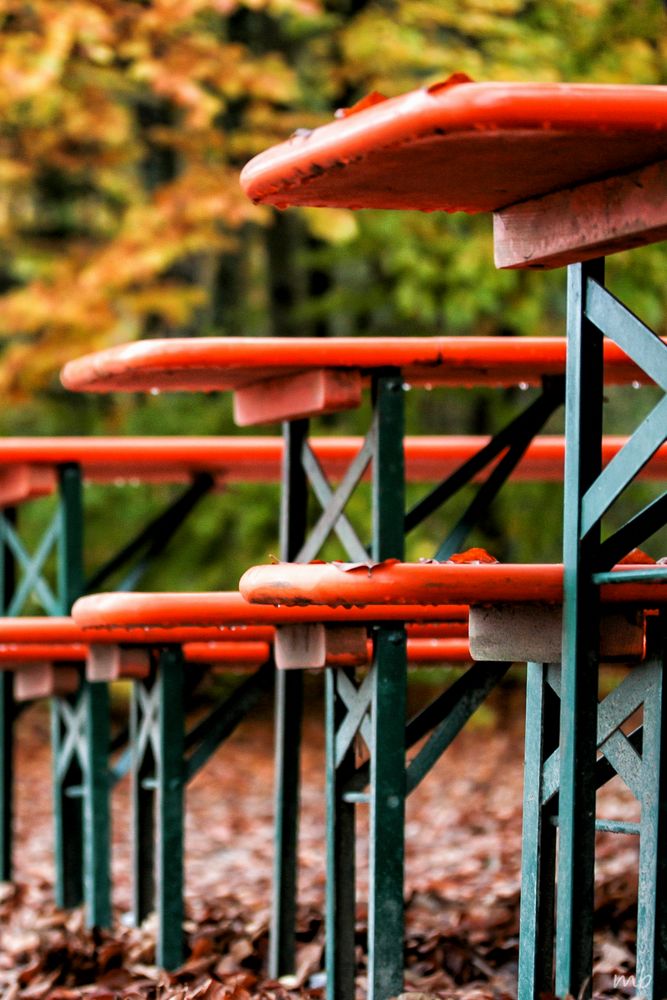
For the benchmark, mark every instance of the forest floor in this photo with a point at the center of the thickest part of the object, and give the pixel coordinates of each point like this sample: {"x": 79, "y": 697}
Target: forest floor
{"x": 462, "y": 879}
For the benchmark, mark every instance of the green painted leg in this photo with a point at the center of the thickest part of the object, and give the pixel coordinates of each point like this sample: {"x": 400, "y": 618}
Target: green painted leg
{"x": 170, "y": 792}
{"x": 143, "y": 800}
{"x": 581, "y": 617}
{"x": 288, "y": 722}
{"x": 67, "y": 800}
{"x": 7, "y": 705}
{"x": 340, "y": 915}
{"x": 6, "y": 774}
{"x": 651, "y": 975}
{"x": 388, "y": 707}
{"x": 538, "y": 841}
{"x": 97, "y": 820}
{"x": 387, "y": 816}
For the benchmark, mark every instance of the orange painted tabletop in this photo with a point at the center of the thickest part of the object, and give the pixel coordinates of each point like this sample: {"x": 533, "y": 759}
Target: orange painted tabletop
{"x": 355, "y": 586}
{"x": 57, "y": 630}
{"x": 258, "y": 459}
{"x": 420, "y": 650}
{"x": 211, "y": 364}
{"x": 27, "y": 640}
{"x": 241, "y": 651}
{"x": 464, "y": 146}
{"x": 227, "y": 611}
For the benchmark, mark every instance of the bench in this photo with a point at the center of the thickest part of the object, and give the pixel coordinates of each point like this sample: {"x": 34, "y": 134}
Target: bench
{"x": 515, "y": 616}
{"x": 33, "y": 468}
{"x": 158, "y": 711}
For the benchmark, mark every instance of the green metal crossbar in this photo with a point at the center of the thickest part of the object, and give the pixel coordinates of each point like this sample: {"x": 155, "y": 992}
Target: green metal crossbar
{"x": 566, "y": 728}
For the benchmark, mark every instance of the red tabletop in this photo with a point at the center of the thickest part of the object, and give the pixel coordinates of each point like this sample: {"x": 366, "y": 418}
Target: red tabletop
{"x": 450, "y": 648}
{"x": 29, "y": 632}
{"x": 226, "y": 363}
{"x": 224, "y": 610}
{"x": 463, "y": 146}
{"x": 258, "y": 459}
{"x": 55, "y": 629}
{"x": 353, "y": 586}
{"x": 242, "y": 650}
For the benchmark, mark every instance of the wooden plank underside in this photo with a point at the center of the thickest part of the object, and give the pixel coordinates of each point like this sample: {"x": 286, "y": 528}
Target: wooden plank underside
{"x": 581, "y": 223}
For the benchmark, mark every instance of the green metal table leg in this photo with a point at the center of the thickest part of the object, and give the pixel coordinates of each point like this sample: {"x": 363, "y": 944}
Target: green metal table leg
{"x": 89, "y": 776}
{"x": 340, "y": 901}
{"x": 7, "y": 711}
{"x": 576, "y": 851}
{"x": 538, "y": 840}
{"x": 388, "y": 710}
{"x": 651, "y": 973}
{"x": 387, "y": 816}
{"x": 97, "y": 819}
{"x": 170, "y": 792}
{"x": 143, "y": 771}
{"x": 67, "y": 801}
{"x": 288, "y": 724}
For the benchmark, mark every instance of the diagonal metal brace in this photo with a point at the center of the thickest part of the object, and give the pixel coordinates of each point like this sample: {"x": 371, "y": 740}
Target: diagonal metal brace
{"x": 208, "y": 734}
{"x": 519, "y": 431}
{"x": 154, "y": 538}
{"x": 333, "y": 503}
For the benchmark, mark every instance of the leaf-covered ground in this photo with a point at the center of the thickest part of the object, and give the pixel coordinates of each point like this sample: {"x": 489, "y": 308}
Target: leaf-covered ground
{"x": 462, "y": 886}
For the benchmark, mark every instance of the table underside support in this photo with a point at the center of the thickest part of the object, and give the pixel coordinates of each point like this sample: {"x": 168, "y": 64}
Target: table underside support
{"x": 571, "y": 772}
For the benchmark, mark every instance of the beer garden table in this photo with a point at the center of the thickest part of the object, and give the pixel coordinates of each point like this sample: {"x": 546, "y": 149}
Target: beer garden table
{"x": 571, "y": 173}
{"x": 293, "y": 380}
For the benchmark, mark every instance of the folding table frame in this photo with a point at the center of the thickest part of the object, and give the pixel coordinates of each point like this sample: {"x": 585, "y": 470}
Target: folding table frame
{"x": 80, "y": 726}
{"x": 373, "y": 708}
{"x": 572, "y": 173}
{"x": 561, "y": 757}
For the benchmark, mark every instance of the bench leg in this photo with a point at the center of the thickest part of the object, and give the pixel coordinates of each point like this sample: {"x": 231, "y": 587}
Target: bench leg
{"x": 341, "y": 901}
{"x": 170, "y": 794}
{"x": 388, "y": 707}
{"x": 157, "y": 732}
{"x": 143, "y": 771}
{"x": 67, "y": 727}
{"x": 7, "y": 713}
{"x": 387, "y": 816}
{"x": 539, "y": 836}
{"x": 651, "y": 973}
{"x": 97, "y": 819}
{"x": 288, "y": 722}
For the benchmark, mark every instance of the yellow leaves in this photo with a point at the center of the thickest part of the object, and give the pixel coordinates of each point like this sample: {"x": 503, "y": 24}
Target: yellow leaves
{"x": 33, "y": 61}
{"x": 331, "y": 225}
{"x": 174, "y": 302}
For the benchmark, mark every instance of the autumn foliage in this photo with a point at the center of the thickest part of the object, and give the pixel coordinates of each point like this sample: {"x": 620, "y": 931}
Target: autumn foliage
{"x": 125, "y": 123}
